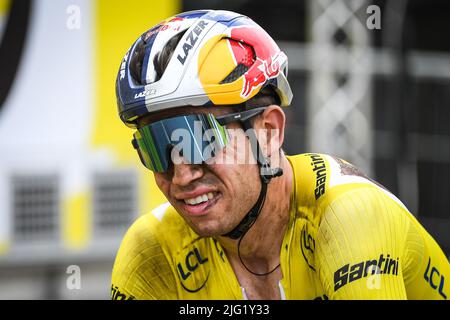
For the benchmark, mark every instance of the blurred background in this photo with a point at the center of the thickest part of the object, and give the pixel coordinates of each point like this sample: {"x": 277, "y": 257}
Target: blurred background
{"x": 371, "y": 84}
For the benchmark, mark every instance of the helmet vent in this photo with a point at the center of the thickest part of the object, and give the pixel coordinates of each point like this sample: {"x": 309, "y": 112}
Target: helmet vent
{"x": 235, "y": 74}
{"x": 245, "y": 57}
{"x": 161, "y": 60}
{"x": 136, "y": 61}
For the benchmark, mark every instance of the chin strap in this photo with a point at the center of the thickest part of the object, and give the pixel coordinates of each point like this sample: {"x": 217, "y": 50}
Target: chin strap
{"x": 266, "y": 174}
{"x": 251, "y": 216}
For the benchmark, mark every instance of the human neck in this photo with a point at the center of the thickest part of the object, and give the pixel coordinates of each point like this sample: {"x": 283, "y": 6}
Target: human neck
{"x": 260, "y": 246}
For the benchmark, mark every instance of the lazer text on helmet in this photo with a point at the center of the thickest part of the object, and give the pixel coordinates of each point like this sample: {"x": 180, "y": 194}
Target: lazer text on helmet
{"x": 191, "y": 40}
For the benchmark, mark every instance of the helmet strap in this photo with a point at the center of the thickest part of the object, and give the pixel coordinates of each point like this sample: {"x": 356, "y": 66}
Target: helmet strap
{"x": 266, "y": 174}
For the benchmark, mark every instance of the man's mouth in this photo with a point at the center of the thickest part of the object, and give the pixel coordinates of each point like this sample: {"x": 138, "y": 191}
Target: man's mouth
{"x": 200, "y": 204}
{"x": 199, "y": 199}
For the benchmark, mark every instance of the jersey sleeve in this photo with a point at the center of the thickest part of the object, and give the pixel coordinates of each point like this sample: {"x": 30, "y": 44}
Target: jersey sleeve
{"x": 141, "y": 269}
{"x": 427, "y": 269}
{"x": 361, "y": 245}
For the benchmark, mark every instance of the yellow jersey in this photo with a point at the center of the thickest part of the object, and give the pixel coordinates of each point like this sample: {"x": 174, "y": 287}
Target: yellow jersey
{"x": 347, "y": 238}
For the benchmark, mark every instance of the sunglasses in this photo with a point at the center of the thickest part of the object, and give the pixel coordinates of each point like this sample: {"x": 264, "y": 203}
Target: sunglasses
{"x": 194, "y": 138}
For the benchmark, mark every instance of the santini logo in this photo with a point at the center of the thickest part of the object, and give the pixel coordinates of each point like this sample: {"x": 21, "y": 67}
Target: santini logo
{"x": 117, "y": 295}
{"x": 318, "y": 164}
{"x": 350, "y": 273}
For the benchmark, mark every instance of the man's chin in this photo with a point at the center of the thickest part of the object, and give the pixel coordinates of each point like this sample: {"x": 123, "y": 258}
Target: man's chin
{"x": 207, "y": 230}
{"x": 210, "y": 225}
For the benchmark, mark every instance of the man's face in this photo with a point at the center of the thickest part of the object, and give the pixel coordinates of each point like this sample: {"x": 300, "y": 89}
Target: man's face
{"x": 231, "y": 187}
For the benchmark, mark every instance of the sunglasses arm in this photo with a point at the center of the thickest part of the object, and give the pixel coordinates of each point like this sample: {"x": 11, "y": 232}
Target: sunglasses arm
{"x": 267, "y": 173}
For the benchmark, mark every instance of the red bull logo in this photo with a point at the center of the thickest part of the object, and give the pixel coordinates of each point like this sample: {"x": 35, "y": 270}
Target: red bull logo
{"x": 172, "y": 23}
{"x": 268, "y": 57}
{"x": 234, "y": 66}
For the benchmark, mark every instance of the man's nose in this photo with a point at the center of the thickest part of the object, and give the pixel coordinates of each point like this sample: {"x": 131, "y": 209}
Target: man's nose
{"x": 184, "y": 174}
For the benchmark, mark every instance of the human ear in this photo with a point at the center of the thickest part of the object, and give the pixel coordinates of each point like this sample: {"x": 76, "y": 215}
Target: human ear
{"x": 271, "y": 137}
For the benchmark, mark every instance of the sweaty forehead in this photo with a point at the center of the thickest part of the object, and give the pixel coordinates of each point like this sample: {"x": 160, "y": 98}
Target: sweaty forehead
{"x": 215, "y": 110}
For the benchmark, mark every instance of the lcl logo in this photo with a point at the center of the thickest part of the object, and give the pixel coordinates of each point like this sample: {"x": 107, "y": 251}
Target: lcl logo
{"x": 432, "y": 274}
{"x": 192, "y": 262}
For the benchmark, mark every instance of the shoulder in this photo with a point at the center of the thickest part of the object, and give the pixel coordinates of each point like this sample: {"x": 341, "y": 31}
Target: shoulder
{"x": 315, "y": 174}
{"x": 157, "y": 228}
{"x": 143, "y": 266}
{"x": 359, "y": 224}
{"x": 161, "y": 226}
{"x": 332, "y": 188}
{"x": 362, "y": 231}
{"x": 321, "y": 179}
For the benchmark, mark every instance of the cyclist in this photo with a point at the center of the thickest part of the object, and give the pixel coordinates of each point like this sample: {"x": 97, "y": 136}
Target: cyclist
{"x": 204, "y": 91}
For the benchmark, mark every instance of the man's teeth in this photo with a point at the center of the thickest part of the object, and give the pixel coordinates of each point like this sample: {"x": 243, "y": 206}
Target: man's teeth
{"x": 201, "y": 198}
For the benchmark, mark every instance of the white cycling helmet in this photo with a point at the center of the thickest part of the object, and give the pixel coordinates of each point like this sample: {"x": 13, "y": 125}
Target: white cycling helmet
{"x": 210, "y": 58}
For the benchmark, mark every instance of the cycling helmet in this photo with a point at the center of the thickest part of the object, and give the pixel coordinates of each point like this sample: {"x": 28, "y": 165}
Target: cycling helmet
{"x": 219, "y": 58}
